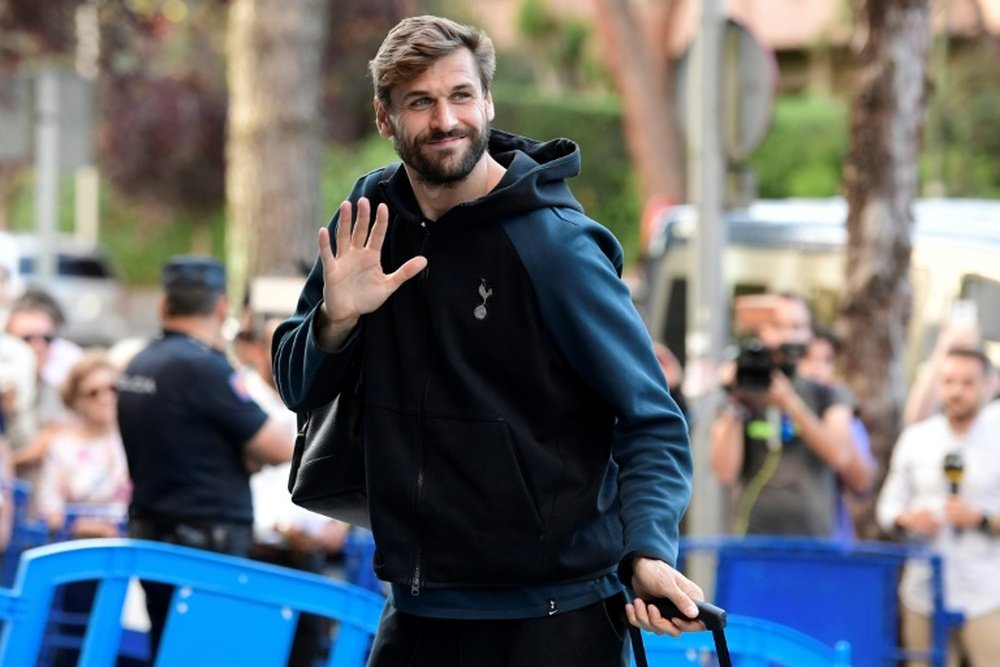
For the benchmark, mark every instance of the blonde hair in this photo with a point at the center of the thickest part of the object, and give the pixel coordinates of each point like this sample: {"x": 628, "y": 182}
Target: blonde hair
{"x": 88, "y": 364}
{"x": 417, "y": 42}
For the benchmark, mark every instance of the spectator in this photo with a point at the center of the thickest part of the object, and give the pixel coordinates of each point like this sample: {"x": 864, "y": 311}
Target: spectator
{"x": 85, "y": 463}
{"x": 524, "y": 458}
{"x": 6, "y": 495}
{"x": 192, "y": 435}
{"x": 84, "y": 485}
{"x": 36, "y": 318}
{"x": 783, "y": 445}
{"x": 285, "y": 534}
{"x": 18, "y": 379}
{"x": 820, "y": 365}
{"x": 960, "y": 520}
{"x": 960, "y": 330}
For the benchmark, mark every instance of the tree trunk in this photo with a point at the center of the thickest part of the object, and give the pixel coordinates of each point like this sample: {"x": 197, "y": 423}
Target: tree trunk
{"x": 887, "y": 118}
{"x": 274, "y": 143}
{"x": 641, "y": 70}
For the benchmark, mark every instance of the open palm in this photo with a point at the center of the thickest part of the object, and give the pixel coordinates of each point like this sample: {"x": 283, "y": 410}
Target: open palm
{"x": 353, "y": 280}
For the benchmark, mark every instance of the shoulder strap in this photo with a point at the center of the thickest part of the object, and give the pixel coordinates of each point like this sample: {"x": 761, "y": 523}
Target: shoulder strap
{"x": 370, "y": 187}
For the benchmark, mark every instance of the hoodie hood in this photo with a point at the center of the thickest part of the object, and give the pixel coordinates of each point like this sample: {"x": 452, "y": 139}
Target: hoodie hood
{"x": 536, "y": 178}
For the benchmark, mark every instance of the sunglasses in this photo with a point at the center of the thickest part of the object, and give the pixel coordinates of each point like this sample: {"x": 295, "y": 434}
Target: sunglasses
{"x": 47, "y": 338}
{"x": 97, "y": 391}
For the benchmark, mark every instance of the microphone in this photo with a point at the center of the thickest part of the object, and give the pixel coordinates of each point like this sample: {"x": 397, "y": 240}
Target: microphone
{"x": 954, "y": 468}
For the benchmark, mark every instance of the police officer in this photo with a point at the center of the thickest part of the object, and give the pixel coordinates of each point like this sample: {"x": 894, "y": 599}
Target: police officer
{"x": 192, "y": 435}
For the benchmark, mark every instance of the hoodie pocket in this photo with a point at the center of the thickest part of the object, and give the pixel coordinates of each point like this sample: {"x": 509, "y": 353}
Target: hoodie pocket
{"x": 480, "y": 522}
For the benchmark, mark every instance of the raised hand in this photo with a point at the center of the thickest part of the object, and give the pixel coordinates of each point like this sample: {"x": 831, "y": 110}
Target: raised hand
{"x": 353, "y": 280}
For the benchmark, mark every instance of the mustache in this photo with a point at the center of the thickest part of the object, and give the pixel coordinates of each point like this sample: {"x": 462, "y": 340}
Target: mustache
{"x": 438, "y": 135}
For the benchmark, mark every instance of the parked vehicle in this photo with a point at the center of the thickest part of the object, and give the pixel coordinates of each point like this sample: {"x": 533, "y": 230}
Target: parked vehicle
{"x": 798, "y": 245}
{"x": 84, "y": 284}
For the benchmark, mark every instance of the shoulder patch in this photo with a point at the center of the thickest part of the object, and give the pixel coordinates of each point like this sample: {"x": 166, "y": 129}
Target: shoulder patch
{"x": 239, "y": 386}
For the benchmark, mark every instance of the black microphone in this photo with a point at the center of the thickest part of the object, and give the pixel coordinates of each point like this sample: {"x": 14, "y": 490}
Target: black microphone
{"x": 954, "y": 468}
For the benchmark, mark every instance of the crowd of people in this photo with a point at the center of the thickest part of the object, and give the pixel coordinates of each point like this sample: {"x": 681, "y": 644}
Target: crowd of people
{"x": 790, "y": 447}
{"x": 171, "y": 439}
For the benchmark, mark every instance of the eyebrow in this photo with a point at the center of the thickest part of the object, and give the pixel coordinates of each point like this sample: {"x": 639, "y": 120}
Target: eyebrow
{"x": 426, "y": 93}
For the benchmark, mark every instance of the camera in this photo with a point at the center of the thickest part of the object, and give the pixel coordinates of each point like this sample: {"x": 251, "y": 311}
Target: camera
{"x": 755, "y": 362}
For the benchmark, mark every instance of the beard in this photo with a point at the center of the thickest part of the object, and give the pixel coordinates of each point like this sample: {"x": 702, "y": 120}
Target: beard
{"x": 958, "y": 410}
{"x": 448, "y": 168}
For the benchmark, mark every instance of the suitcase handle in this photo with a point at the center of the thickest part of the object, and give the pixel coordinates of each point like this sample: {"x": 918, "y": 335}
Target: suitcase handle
{"x": 713, "y": 617}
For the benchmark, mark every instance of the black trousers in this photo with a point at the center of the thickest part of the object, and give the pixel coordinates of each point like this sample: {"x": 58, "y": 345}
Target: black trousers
{"x": 593, "y": 636}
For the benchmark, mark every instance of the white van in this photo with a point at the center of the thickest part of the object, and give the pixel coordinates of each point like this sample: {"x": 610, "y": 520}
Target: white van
{"x": 797, "y": 245}
{"x": 84, "y": 285}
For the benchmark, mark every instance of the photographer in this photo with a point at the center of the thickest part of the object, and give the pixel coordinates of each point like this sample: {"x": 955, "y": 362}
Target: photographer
{"x": 781, "y": 441}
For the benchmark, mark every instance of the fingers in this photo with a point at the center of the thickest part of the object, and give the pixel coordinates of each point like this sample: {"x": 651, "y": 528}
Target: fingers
{"x": 408, "y": 270}
{"x": 377, "y": 235}
{"x": 357, "y": 235}
{"x": 648, "y": 617}
{"x": 344, "y": 227}
{"x": 325, "y": 250}
{"x": 360, "y": 234}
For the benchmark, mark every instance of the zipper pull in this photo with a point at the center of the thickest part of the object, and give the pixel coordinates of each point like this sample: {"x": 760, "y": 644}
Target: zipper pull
{"x": 415, "y": 584}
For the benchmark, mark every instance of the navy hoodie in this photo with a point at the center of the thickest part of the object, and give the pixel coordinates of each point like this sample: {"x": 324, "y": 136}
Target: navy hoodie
{"x": 518, "y": 429}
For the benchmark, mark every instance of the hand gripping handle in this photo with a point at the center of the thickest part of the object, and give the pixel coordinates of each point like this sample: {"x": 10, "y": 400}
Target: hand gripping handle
{"x": 713, "y": 617}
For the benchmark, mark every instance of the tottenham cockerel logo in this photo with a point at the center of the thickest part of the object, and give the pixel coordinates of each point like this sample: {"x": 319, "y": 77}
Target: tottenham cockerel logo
{"x": 485, "y": 293}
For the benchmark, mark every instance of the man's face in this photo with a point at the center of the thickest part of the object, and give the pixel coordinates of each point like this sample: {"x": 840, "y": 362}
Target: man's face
{"x": 961, "y": 387}
{"x": 789, "y": 324}
{"x": 37, "y": 329}
{"x": 439, "y": 122}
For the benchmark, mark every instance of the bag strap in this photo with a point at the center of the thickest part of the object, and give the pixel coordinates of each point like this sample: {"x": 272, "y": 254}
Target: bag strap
{"x": 370, "y": 189}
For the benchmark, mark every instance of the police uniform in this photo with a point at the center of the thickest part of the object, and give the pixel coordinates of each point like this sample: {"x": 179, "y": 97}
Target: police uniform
{"x": 185, "y": 420}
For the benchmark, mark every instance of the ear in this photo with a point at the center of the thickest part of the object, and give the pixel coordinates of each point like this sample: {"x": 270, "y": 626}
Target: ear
{"x": 382, "y": 123}
{"x": 490, "y": 111}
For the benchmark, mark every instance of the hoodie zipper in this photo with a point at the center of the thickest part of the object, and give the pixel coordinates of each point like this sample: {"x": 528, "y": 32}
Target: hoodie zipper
{"x": 417, "y": 580}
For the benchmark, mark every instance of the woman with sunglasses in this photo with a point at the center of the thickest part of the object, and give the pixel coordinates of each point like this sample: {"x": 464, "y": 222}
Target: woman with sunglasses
{"x": 84, "y": 486}
{"x": 85, "y": 468}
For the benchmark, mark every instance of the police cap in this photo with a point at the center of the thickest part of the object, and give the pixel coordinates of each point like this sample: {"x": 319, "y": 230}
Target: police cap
{"x": 190, "y": 272}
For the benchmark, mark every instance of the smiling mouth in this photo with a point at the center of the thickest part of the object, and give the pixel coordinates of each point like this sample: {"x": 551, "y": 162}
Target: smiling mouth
{"x": 448, "y": 138}
{"x": 444, "y": 142}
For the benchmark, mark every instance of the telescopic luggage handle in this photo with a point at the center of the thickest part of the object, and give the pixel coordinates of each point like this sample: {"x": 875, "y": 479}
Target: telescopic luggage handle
{"x": 713, "y": 617}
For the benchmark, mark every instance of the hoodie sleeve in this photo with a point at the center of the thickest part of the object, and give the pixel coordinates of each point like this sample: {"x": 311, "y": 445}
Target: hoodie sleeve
{"x": 297, "y": 359}
{"x": 575, "y": 266}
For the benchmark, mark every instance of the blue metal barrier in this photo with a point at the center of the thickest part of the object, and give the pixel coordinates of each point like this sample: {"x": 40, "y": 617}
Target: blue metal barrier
{"x": 359, "y": 548}
{"x": 26, "y": 532}
{"x": 225, "y": 610}
{"x": 827, "y": 589}
{"x": 752, "y": 642}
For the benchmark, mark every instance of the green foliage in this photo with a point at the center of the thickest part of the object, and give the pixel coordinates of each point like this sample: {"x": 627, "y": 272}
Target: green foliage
{"x": 345, "y": 164}
{"x": 555, "y": 44}
{"x": 804, "y": 151}
{"x": 138, "y": 238}
{"x": 536, "y": 21}
{"x": 962, "y": 140}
